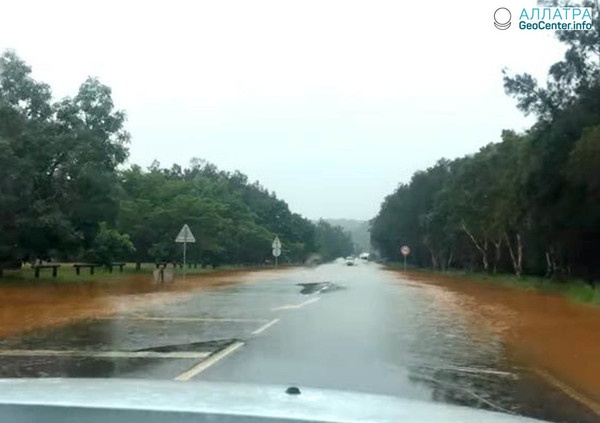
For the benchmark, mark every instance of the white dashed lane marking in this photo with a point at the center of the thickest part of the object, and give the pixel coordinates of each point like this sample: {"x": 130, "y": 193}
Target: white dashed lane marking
{"x": 265, "y": 327}
{"x": 296, "y": 306}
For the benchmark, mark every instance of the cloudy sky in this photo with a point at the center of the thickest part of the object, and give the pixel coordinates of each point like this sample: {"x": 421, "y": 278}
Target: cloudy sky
{"x": 330, "y": 104}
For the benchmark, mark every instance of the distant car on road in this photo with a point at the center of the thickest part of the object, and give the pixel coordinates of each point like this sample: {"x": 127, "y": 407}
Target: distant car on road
{"x": 349, "y": 261}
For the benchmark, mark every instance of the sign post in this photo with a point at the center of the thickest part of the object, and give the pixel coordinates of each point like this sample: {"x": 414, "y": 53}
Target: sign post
{"x": 276, "y": 249}
{"x": 405, "y": 251}
{"x": 185, "y": 235}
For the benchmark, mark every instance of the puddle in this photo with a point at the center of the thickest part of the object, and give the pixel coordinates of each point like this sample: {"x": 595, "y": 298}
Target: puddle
{"x": 77, "y": 367}
{"x": 318, "y": 287}
{"x": 212, "y": 346}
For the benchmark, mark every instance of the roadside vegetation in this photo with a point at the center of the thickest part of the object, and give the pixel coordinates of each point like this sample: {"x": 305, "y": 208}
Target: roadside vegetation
{"x": 67, "y": 194}
{"x": 528, "y": 205}
{"x": 66, "y": 273}
{"x": 359, "y": 233}
{"x": 574, "y": 288}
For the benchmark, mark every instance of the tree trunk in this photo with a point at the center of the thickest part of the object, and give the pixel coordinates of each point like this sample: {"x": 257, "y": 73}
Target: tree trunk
{"x": 482, "y": 249}
{"x": 520, "y": 254}
{"x": 497, "y": 254}
{"x": 434, "y": 261}
{"x": 484, "y": 256}
{"x": 551, "y": 266}
{"x": 450, "y": 258}
{"x": 548, "y": 264}
{"x": 517, "y": 260}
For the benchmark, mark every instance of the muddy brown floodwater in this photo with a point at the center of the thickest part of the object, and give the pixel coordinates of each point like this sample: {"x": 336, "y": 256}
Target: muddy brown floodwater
{"x": 545, "y": 334}
{"x": 34, "y": 306}
{"x": 552, "y": 336}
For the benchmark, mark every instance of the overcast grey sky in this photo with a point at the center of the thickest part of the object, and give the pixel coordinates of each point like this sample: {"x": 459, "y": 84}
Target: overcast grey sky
{"x": 329, "y": 103}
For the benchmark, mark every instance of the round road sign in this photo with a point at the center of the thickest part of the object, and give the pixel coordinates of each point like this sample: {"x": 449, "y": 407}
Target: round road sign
{"x": 405, "y": 250}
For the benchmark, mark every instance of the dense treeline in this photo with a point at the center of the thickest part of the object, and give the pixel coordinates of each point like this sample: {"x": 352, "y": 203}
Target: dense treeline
{"x": 65, "y": 195}
{"x": 528, "y": 204}
{"x": 338, "y": 241}
{"x": 359, "y": 233}
{"x": 233, "y": 220}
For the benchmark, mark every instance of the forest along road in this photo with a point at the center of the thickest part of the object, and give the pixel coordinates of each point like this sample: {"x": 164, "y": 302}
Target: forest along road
{"x": 358, "y": 328}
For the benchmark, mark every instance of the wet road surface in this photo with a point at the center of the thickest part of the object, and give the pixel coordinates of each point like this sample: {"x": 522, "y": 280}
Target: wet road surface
{"x": 358, "y": 328}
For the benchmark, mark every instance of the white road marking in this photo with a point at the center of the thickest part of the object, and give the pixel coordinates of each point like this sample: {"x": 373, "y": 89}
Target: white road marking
{"x": 474, "y": 370}
{"x": 295, "y": 306}
{"x": 577, "y": 396}
{"x": 184, "y": 319}
{"x": 467, "y": 391}
{"x": 103, "y": 354}
{"x": 265, "y": 327}
{"x": 203, "y": 365}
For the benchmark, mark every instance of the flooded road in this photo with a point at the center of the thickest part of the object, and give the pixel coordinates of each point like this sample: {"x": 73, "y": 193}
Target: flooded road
{"x": 359, "y": 328}
{"x": 558, "y": 338}
{"x": 34, "y": 306}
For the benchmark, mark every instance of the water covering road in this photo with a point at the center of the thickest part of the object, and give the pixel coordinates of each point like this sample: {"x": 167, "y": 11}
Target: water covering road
{"x": 359, "y": 328}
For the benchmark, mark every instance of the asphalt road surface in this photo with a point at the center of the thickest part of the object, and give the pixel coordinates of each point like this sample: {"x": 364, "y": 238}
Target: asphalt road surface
{"x": 358, "y": 328}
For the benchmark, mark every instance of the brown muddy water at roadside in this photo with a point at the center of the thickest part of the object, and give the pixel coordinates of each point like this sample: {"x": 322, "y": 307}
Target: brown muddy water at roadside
{"x": 547, "y": 333}
{"x": 40, "y": 305}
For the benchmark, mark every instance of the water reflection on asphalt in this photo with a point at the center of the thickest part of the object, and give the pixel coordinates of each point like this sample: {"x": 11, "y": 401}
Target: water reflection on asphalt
{"x": 371, "y": 330}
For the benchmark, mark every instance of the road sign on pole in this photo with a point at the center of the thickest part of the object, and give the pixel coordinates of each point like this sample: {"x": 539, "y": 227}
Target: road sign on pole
{"x": 276, "y": 248}
{"x": 405, "y": 251}
{"x": 185, "y": 235}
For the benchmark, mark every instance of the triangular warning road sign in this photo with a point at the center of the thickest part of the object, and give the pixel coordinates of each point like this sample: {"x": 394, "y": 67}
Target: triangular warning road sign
{"x": 185, "y": 235}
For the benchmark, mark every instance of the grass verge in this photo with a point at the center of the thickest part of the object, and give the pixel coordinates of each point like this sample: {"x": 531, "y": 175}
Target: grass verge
{"x": 573, "y": 288}
{"x": 67, "y": 274}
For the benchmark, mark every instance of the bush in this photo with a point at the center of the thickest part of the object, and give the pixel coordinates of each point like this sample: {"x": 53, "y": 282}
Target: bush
{"x": 110, "y": 244}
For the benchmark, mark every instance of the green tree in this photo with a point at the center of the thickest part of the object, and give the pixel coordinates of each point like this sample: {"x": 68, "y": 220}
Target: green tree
{"x": 333, "y": 241}
{"x": 110, "y": 245}
{"x": 583, "y": 167}
{"x": 526, "y": 204}
{"x": 59, "y": 164}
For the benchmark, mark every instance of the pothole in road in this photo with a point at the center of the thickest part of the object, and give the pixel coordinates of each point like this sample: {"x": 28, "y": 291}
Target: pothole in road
{"x": 208, "y": 346}
{"x": 318, "y": 287}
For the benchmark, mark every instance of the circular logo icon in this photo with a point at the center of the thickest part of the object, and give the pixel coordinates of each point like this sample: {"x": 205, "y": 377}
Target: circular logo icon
{"x": 405, "y": 250}
{"x": 502, "y": 18}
